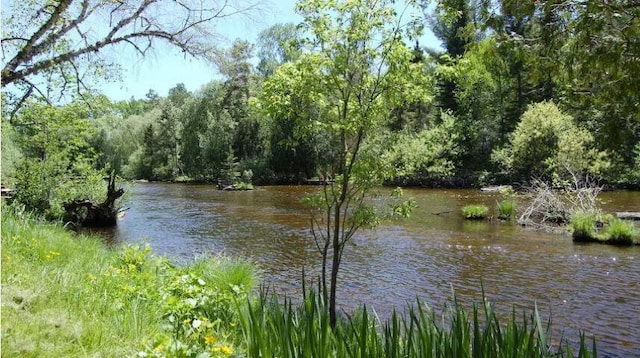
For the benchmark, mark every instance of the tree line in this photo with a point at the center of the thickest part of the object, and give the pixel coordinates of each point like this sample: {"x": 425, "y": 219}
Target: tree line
{"x": 518, "y": 90}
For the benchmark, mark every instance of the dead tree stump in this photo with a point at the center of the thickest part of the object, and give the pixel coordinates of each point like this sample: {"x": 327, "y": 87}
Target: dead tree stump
{"x": 87, "y": 213}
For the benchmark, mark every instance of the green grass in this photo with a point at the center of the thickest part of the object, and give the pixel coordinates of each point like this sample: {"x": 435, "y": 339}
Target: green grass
{"x": 65, "y": 295}
{"x": 620, "y": 232}
{"x": 475, "y": 212}
{"x": 506, "y": 209}
{"x": 275, "y": 329}
{"x": 583, "y": 227}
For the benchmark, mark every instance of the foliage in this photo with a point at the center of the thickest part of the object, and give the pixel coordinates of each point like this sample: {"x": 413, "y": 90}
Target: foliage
{"x": 11, "y": 154}
{"x": 70, "y": 295}
{"x": 547, "y": 143}
{"x": 57, "y": 163}
{"x": 273, "y": 329}
{"x": 428, "y": 153}
{"x": 353, "y": 70}
{"x": 475, "y": 212}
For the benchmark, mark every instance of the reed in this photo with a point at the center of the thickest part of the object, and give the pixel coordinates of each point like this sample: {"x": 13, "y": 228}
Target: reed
{"x": 287, "y": 330}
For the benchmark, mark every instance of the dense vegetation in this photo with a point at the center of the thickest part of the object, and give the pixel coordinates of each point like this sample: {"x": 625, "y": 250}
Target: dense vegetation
{"x": 517, "y": 91}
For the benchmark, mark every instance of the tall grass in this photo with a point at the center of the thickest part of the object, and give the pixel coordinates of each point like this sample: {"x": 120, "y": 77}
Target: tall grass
{"x": 506, "y": 209}
{"x": 65, "y": 295}
{"x": 620, "y": 232}
{"x": 274, "y": 329}
{"x": 583, "y": 227}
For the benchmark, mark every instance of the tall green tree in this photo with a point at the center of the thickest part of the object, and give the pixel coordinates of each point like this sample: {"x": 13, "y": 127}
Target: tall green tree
{"x": 355, "y": 69}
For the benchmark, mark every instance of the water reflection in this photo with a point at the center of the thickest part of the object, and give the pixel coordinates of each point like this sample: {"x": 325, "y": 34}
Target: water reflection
{"x": 591, "y": 287}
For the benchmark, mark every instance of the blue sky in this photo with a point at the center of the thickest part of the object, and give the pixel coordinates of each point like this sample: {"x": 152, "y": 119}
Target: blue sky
{"x": 167, "y": 67}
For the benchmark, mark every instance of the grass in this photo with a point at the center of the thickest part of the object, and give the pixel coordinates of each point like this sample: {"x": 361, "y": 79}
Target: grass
{"x": 620, "y": 232}
{"x": 65, "y": 295}
{"x": 584, "y": 228}
{"x": 275, "y": 329}
{"x": 475, "y": 212}
{"x": 506, "y": 209}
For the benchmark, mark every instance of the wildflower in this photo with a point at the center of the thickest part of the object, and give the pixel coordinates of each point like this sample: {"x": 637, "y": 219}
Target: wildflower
{"x": 159, "y": 348}
{"x": 92, "y": 278}
{"x": 226, "y": 350}
{"x": 196, "y": 323}
{"x": 132, "y": 267}
{"x": 210, "y": 339}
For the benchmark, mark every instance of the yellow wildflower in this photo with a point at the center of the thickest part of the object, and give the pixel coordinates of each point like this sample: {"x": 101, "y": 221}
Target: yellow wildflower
{"x": 226, "y": 350}
{"x": 159, "y": 348}
{"x": 210, "y": 339}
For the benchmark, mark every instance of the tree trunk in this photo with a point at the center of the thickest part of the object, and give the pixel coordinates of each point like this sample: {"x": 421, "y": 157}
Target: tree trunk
{"x": 87, "y": 213}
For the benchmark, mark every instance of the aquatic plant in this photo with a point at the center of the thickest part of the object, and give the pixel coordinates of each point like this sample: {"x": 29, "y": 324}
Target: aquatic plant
{"x": 275, "y": 329}
{"x": 583, "y": 227}
{"x": 506, "y": 209}
{"x": 620, "y": 232}
{"x": 475, "y": 212}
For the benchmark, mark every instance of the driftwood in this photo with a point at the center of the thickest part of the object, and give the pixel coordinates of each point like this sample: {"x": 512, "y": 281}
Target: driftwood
{"x": 87, "y": 213}
{"x": 628, "y": 215}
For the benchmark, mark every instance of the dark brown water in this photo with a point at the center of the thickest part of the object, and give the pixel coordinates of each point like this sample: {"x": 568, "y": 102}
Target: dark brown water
{"x": 594, "y": 288}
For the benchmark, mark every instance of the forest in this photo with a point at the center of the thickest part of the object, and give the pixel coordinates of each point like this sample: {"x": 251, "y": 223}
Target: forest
{"x": 518, "y": 91}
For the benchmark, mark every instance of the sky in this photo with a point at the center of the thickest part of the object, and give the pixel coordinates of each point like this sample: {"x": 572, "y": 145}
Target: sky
{"x": 166, "y": 67}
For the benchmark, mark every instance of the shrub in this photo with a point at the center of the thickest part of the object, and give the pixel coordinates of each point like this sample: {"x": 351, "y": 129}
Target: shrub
{"x": 506, "y": 209}
{"x": 475, "y": 212}
{"x": 620, "y": 232}
{"x": 547, "y": 143}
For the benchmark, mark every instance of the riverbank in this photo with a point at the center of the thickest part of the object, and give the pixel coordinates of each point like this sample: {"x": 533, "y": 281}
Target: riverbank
{"x": 68, "y": 295}
{"x": 65, "y": 295}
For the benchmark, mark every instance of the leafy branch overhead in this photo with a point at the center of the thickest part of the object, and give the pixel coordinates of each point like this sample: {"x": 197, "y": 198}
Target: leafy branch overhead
{"x": 63, "y": 41}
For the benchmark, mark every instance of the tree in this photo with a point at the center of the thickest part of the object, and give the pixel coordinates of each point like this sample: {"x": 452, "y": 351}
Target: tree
{"x": 57, "y": 163}
{"x": 62, "y": 43}
{"x": 355, "y": 69}
{"x": 276, "y": 45}
{"x": 547, "y": 144}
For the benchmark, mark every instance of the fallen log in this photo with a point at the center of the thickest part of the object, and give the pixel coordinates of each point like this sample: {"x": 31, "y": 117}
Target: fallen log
{"x": 627, "y": 215}
{"x": 87, "y": 213}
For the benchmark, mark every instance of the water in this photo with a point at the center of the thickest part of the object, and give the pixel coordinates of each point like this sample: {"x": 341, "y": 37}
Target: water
{"x": 593, "y": 288}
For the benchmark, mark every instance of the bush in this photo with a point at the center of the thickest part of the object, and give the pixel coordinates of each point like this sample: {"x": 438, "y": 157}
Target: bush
{"x": 506, "y": 209}
{"x": 547, "y": 143}
{"x": 475, "y": 212}
{"x": 620, "y": 232}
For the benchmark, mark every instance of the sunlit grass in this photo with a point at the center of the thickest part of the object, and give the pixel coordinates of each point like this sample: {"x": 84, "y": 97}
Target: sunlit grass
{"x": 65, "y": 295}
{"x": 475, "y": 212}
{"x": 274, "y": 329}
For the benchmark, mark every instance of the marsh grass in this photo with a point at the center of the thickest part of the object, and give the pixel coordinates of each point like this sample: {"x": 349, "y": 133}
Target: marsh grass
{"x": 589, "y": 227}
{"x": 475, "y": 212}
{"x": 65, "y": 295}
{"x": 506, "y": 209}
{"x": 620, "y": 232}
{"x": 583, "y": 227}
{"x": 275, "y": 329}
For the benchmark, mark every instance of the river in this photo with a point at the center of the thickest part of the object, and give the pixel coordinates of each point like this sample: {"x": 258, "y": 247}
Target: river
{"x": 593, "y": 288}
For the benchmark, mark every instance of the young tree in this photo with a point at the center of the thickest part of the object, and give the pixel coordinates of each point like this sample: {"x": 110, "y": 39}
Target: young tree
{"x": 355, "y": 69}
